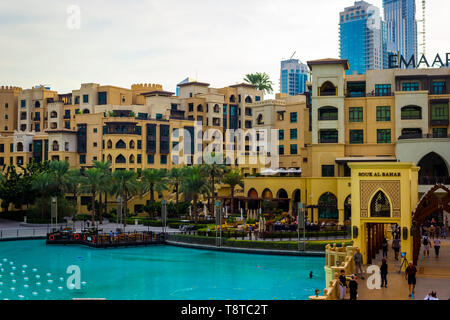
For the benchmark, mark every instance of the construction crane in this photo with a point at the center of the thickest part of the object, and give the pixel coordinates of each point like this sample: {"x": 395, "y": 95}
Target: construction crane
{"x": 423, "y": 32}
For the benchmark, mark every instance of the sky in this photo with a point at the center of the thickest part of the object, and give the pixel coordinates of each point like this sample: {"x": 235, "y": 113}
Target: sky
{"x": 121, "y": 42}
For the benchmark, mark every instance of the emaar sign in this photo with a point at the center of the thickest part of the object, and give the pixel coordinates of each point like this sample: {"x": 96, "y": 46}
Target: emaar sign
{"x": 398, "y": 61}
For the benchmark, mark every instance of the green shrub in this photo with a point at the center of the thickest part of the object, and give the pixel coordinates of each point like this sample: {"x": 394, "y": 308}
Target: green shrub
{"x": 282, "y": 245}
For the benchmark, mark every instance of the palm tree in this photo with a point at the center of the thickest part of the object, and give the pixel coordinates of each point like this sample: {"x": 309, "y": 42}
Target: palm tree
{"x": 125, "y": 185}
{"x": 213, "y": 171}
{"x": 73, "y": 180}
{"x": 176, "y": 176}
{"x": 233, "y": 178}
{"x": 153, "y": 180}
{"x": 261, "y": 80}
{"x": 44, "y": 184}
{"x": 59, "y": 170}
{"x": 91, "y": 184}
{"x": 105, "y": 168}
{"x": 195, "y": 184}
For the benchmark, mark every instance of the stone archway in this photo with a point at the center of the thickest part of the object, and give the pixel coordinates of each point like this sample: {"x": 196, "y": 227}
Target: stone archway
{"x": 429, "y": 203}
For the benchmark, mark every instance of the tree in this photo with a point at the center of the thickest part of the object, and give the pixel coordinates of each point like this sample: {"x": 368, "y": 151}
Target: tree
{"x": 176, "y": 176}
{"x": 105, "y": 168}
{"x": 91, "y": 184}
{"x": 213, "y": 171}
{"x": 125, "y": 185}
{"x": 261, "y": 80}
{"x": 59, "y": 170}
{"x": 73, "y": 183}
{"x": 45, "y": 185}
{"x": 153, "y": 180}
{"x": 233, "y": 178}
{"x": 195, "y": 184}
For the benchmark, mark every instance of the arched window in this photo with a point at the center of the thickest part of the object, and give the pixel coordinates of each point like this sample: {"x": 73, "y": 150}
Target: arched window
{"x": 121, "y": 159}
{"x": 380, "y": 206}
{"x": 433, "y": 169}
{"x": 37, "y": 104}
{"x": 55, "y": 146}
{"x": 132, "y": 144}
{"x": 199, "y": 108}
{"x": 85, "y": 111}
{"x": 328, "y": 89}
{"x": 328, "y": 113}
{"x": 19, "y": 147}
{"x": 267, "y": 194}
{"x": 260, "y": 119}
{"x": 348, "y": 208}
{"x": 109, "y": 144}
{"x": 132, "y": 159}
{"x": 252, "y": 193}
{"x": 53, "y": 114}
{"x": 328, "y": 206}
{"x": 109, "y": 158}
{"x": 248, "y": 99}
{"x": 232, "y": 98}
{"x": 282, "y": 194}
{"x": 217, "y": 108}
{"x": 121, "y": 144}
{"x": 411, "y": 113}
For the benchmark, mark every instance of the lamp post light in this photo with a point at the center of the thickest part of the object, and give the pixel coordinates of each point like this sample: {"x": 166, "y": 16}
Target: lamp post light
{"x": 119, "y": 210}
{"x": 301, "y": 220}
{"x": 54, "y": 210}
{"x": 164, "y": 214}
{"x": 219, "y": 221}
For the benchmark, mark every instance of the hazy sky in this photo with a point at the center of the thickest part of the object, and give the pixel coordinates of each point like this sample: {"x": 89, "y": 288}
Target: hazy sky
{"x": 121, "y": 42}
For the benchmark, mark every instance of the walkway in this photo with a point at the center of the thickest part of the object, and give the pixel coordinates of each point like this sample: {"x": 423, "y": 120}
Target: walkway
{"x": 14, "y": 229}
{"x": 434, "y": 274}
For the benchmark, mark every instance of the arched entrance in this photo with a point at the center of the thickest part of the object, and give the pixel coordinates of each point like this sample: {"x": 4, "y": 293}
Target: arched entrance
{"x": 431, "y": 202}
{"x": 433, "y": 170}
{"x": 283, "y": 200}
{"x": 296, "y": 199}
{"x": 253, "y": 204}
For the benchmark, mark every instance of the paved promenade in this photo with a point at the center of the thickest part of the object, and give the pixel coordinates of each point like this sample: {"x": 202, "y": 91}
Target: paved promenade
{"x": 13, "y": 229}
{"x": 434, "y": 274}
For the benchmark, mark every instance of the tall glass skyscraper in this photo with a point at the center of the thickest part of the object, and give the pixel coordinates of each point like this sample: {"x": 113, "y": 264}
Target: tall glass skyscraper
{"x": 400, "y": 17}
{"x": 362, "y": 38}
{"x": 293, "y": 77}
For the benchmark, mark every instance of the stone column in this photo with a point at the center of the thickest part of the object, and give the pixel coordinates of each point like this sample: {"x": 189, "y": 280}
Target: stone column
{"x": 341, "y": 217}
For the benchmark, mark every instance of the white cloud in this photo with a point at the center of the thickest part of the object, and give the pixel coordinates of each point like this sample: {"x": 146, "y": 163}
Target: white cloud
{"x": 126, "y": 41}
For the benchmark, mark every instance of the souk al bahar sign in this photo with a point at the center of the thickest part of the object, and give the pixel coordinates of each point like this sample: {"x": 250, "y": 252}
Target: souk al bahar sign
{"x": 399, "y": 61}
{"x": 379, "y": 174}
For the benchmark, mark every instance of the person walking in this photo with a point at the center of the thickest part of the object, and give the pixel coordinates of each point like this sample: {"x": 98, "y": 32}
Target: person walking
{"x": 342, "y": 285}
{"x": 384, "y": 272}
{"x": 437, "y": 246}
{"x": 384, "y": 245}
{"x": 426, "y": 246}
{"x": 358, "y": 259}
{"x": 410, "y": 275}
{"x": 353, "y": 286}
{"x": 396, "y": 247}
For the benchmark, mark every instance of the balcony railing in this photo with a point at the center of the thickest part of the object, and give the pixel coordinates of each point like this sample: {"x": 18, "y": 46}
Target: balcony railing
{"x": 423, "y": 136}
{"x": 439, "y": 122}
{"x": 434, "y": 180}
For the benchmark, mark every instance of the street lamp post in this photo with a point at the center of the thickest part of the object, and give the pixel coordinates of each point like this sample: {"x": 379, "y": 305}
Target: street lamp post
{"x": 119, "y": 210}
{"x": 218, "y": 221}
{"x": 54, "y": 210}
{"x": 164, "y": 214}
{"x": 301, "y": 220}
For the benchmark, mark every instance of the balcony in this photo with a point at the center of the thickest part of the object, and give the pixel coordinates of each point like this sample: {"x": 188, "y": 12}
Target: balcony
{"x": 422, "y": 136}
{"x": 434, "y": 180}
{"x": 439, "y": 122}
